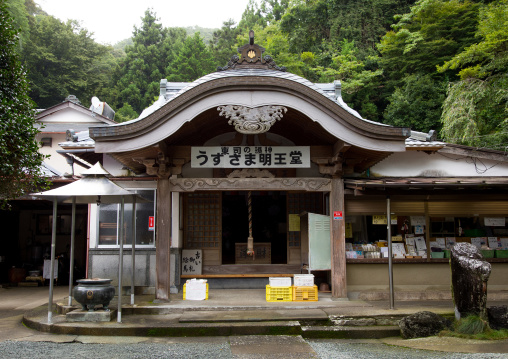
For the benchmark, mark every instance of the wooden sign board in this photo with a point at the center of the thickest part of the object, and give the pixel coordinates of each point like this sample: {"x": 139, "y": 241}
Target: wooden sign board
{"x": 192, "y": 261}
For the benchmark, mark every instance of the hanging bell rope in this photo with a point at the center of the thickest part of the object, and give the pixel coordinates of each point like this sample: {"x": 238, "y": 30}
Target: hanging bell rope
{"x": 250, "y": 240}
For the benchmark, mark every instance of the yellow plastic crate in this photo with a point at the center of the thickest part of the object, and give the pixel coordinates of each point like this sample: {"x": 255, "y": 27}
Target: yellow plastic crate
{"x": 185, "y": 291}
{"x": 305, "y": 294}
{"x": 278, "y": 294}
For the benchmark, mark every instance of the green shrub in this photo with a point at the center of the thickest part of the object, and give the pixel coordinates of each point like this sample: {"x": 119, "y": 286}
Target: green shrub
{"x": 471, "y": 325}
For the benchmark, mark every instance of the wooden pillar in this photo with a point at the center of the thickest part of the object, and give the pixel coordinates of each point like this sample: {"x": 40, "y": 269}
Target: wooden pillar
{"x": 163, "y": 239}
{"x": 338, "y": 240}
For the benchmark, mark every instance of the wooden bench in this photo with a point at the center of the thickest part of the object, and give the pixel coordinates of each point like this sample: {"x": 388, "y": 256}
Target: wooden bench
{"x": 225, "y": 275}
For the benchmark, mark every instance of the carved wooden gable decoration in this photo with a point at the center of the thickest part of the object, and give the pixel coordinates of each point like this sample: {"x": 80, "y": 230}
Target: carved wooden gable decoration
{"x": 251, "y": 55}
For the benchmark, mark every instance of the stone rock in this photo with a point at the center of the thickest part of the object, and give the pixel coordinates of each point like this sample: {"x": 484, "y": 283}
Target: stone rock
{"x": 498, "y": 317}
{"x": 470, "y": 273}
{"x": 422, "y": 324}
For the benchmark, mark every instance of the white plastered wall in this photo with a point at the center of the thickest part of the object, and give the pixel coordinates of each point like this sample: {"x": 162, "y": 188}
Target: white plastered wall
{"x": 421, "y": 164}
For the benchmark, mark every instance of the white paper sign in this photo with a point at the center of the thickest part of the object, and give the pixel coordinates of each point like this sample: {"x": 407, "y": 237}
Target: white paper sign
{"x": 47, "y": 269}
{"x": 411, "y": 250}
{"x": 419, "y": 229}
{"x": 438, "y": 244}
{"x": 494, "y": 243}
{"x": 351, "y": 254}
{"x": 420, "y": 244}
{"x": 398, "y": 250}
{"x": 495, "y": 221}
{"x": 504, "y": 243}
{"x": 441, "y": 242}
{"x": 418, "y": 221}
{"x": 478, "y": 241}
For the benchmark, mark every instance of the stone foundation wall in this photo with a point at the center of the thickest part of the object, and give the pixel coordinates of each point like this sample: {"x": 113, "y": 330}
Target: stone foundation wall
{"x": 103, "y": 263}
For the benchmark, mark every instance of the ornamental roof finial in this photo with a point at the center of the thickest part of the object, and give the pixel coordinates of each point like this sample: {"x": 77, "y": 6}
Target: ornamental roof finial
{"x": 251, "y": 56}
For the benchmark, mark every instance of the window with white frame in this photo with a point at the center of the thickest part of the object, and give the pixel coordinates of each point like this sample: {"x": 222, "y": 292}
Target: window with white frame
{"x": 109, "y": 221}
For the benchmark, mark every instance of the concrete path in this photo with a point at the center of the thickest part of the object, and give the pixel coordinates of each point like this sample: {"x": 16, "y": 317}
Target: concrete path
{"x": 15, "y": 301}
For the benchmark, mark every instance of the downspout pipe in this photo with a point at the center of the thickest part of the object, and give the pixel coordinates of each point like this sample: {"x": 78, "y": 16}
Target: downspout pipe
{"x": 390, "y": 250}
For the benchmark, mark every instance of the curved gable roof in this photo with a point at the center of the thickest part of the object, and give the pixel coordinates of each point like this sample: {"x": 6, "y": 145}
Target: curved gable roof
{"x": 249, "y": 87}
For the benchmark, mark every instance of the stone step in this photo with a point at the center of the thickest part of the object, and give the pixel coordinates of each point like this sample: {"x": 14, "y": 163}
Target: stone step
{"x": 348, "y": 332}
{"x": 211, "y": 316}
{"x": 361, "y": 321}
{"x": 219, "y": 329}
{"x": 308, "y": 322}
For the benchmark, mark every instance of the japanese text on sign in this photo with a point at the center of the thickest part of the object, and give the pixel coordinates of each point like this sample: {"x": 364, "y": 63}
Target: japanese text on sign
{"x": 192, "y": 260}
{"x": 250, "y": 157}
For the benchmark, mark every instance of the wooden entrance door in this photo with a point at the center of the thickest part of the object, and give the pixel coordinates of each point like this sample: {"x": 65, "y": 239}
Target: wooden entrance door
{"x": 299, "y": 202}
{"x": 203, "y": 225}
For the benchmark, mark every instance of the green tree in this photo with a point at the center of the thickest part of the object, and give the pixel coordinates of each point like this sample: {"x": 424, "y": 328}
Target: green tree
{"x": 311, "y": 24}
{"x": 430, "y": 34}
{"x": 205, "y": 32}
{"x": 252, "y": 17}
{"x": 417, "y": 104}
{"x": 139, "y": 73}
{"x": 273, "y": 10}
{"x": 33, "y": 9}
{"x": 475, "y": 111}
{"x": 346, "y": 67}
{"x": 192, "y": 61}
{"x": 62, "y": 59}
{"x": 306, "y": 26}
{"x": 364, "y": 21}
{"x": 19, "y": 14}
{"x": 223, "y": 42}
{"x": 125, "y": 113}
{"x": 20, "y": 166}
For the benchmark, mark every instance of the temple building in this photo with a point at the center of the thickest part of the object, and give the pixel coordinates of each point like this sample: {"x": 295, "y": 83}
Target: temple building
{"x": 253, "y": 172}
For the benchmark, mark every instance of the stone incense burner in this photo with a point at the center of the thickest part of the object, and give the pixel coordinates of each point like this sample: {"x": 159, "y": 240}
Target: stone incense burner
{"x": 92, "y": 292}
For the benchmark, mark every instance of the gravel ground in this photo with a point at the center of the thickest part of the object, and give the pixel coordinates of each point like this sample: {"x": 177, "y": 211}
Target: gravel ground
{"x": 35, "y": 350}
{"x": 326, "y": 349}
{"x": 333, "y": 350}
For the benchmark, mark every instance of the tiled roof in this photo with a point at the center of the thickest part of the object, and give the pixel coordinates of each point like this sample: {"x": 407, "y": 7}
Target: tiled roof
{"x": 50, "y": 171}
{"x": 171, "y": 90}
{"x": 424, "y": 182}
{"x": 414, "y": 143}
{"x": 78, "y": 140}
{"x": 422, "y": 140}
{"x": 63, "y": 127}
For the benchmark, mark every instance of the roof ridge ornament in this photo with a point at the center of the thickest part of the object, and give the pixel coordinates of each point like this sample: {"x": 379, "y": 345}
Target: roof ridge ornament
{"x": 252, "y": 121}
{"x": 251, "y": 56}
